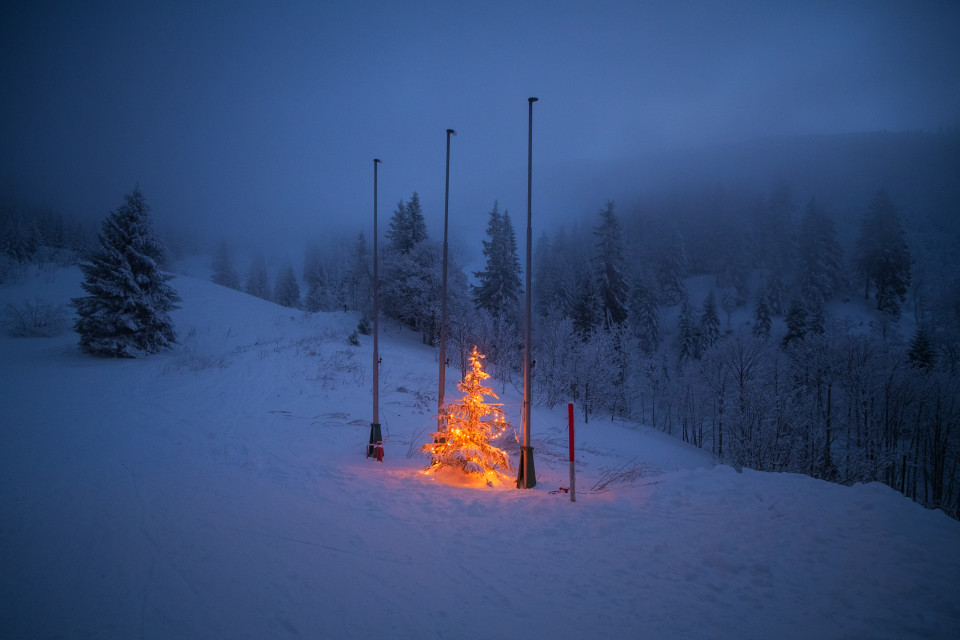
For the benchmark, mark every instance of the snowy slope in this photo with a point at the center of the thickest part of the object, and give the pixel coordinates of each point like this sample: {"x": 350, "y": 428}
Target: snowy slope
{"x": 221, "y": 491}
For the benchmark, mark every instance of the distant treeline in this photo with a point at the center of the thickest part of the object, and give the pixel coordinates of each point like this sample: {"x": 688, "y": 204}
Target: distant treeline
{"x": 40, "y": 236}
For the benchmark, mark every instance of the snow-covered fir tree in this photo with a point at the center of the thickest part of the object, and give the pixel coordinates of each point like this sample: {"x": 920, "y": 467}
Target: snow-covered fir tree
{"x": 821, "y": 258}
{"x": 774, "y": 233}
{"x": 609, "y": 267}
{"x": 407, "y": 226}
{"x": 816, "y": 318}
{"x": 796, "y": 322}
{"x": 709, "y": 322}
{"x": 645, "y": 315}
{"x": 499, "y": 290}
{"x": 545, "y": 272}
{"x": 287, "y": 291}
{"x": 410, "y": 287}
{"x": 315, "y": 298}
{"x": 470, "y": 426}
{"x": 557, "y": 264}
{"x": 19, "y": 237}
{"x": 410, "y": 272}
{"x": 882, "y": 255}
{"x": 732, "y": 249}
{"x": 776, "y": 294}
{"x": 671, "y": 265}
{"x": 50, "y": 226}
{"x": 761, "y": 316}
{"x": 315, "y": 278}
{"x": 126, "y": 311}
{"x": 257, "y": 284}
{"x": 730, "y": 299}
{"x": 689, "y": 346}
{"x": 921, "y": 353}
{"x": 585, "y": 311}
{"x": 224, "y": 273}
{"x": 360, "y": 277}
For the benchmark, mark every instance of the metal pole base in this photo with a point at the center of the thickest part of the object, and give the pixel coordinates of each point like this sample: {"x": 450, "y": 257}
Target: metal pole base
{"x": 376, "y": 440}
{"x": 527, "y": 475}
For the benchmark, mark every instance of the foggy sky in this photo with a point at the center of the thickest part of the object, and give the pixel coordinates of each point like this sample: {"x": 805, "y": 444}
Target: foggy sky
{"x": 266, "y": 116}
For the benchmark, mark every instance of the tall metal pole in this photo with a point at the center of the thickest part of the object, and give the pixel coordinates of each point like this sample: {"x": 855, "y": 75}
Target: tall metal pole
{"x": 375, "y": 447}
{"x": 443, "y": 291}
{"x": 527, "y": 477}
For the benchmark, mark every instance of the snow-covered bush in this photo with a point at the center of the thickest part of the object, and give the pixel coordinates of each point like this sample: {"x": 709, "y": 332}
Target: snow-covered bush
{"x": 33, "y": 318}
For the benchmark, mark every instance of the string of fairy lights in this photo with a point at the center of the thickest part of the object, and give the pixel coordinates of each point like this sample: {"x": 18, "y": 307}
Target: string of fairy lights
{"x": 465, "y": 441}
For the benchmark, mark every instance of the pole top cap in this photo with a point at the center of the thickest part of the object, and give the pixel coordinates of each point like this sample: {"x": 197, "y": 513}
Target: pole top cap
{"x": 451, "y": 131}
{"x": 532, "y": 99}
{"x": 376, "y": 160}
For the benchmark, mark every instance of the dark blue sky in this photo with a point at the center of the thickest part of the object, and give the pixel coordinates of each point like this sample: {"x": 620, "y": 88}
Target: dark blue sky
{"x": 268, "y": 115}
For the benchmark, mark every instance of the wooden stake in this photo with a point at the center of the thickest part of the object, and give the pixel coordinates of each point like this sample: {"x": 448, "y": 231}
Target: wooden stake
{"x": 573, "y": 472}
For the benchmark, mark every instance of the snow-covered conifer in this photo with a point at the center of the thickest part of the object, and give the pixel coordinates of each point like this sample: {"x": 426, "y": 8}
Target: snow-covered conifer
{"x": 546, "y": 277}
{"x": 223, "y": 272}
{"x": 709, "y": 322}
{"x": 410, "y": 287}
{"x": 671, "y": 265}
{"x": 360, "y": 277}
{"x": 126, "y": 313}
{"x": 816, "y": 318}
{"x": 761, "y": 317}
{"x": 415, "y": 220}
{"x": 796, "y": 322}
{"x": 19, "y": 237}
{"x": 821, "y": 258}
{"x": 407, "y": 226}
{"x": 645, "y": 315}
{"x": 689, "y": 333}
{"x": 315, "y": 278}
{"x": 257, "y": 284}
{"x": 883, "y": 258}
{"x": 586, "y": 308}
{"x": 287, "y": 291}
{"x": 609, "y": 267}
{"x": 464, "y": 441}
{"x": 500, "y": 287}
{"x": 776, "y": 294}
{"x": 921, "y": 353}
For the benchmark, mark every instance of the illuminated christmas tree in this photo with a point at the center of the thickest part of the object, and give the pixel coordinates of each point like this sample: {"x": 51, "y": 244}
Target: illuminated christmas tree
{"x": 464, "y": 441}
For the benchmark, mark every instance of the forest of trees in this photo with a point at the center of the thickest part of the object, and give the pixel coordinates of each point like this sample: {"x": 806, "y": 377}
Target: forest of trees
{"x": 759, "y": 334}
{"x": 788, "y": 372}
{"x": 745, "y": 336}
{"x": 779, "y": 335}
{"x": 41, "y": 237}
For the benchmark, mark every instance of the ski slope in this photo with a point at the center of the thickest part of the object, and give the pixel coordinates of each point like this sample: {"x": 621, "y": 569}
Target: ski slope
{"x": 221, "y": 491}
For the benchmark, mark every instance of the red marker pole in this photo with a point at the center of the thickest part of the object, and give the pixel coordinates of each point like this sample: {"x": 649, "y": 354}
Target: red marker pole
{"x": 573, "y": 476}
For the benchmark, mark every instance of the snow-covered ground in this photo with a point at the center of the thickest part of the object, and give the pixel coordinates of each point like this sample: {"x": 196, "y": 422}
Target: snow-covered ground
{"x": 221, "y": 491}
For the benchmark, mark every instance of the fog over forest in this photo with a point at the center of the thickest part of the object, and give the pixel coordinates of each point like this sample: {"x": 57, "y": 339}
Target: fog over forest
{"x": 259, "y": 124}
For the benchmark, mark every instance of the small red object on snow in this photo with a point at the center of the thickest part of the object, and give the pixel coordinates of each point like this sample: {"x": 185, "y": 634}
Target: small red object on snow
{"x": 378, "y": 450}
